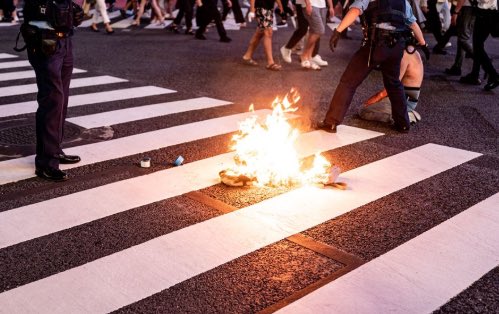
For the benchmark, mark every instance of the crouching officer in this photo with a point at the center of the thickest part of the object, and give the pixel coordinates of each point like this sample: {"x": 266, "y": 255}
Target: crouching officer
{"x": 47, "y": 30}
{"x": 385, "y": 23}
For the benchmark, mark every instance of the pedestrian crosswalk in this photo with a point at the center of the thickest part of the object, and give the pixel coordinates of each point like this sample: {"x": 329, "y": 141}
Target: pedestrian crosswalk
{"x": 418, "y": 276}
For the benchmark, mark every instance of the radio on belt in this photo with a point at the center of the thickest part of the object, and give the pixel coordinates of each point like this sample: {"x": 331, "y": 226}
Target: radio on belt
{"x": 145, "y": 162}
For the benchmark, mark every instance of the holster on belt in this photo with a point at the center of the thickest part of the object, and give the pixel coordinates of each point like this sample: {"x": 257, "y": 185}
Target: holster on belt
{"x": 37, "y": 39}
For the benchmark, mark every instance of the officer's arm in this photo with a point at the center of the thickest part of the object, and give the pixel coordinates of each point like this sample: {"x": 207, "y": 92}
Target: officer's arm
{"x": 348, "y": 20}
{"x": 418, "y": 33}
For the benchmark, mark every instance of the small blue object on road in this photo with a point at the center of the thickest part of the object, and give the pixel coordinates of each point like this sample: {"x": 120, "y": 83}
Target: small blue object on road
{"x": 179, "y": 161}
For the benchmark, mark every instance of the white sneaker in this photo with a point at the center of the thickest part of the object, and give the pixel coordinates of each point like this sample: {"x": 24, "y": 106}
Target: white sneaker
{"x": 286, "y": 54}
{"x": 318, "y": 60}
{"x": 414, "y": 117}
{"x": 309, "y": 65}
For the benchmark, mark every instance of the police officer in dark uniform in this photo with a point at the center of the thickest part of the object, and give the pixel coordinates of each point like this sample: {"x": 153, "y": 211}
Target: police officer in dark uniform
{"x": 386, "y": 23}
{"x": 47, "y": 30}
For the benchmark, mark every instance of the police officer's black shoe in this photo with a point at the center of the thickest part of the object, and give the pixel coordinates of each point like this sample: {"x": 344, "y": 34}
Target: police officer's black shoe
{"x": 68, "y": 159}
{"x": 401, "y": 129}
{"x": 330, "y": 128}
{"x": 51, "y": 174}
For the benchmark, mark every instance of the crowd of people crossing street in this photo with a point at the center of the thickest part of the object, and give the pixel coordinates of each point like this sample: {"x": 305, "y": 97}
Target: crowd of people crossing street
{"x": 443, "y": 19}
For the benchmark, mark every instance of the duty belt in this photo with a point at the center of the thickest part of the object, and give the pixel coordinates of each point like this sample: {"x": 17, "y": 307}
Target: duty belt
{"x": 48, "y": 34}
{"x": 383, "y": 33}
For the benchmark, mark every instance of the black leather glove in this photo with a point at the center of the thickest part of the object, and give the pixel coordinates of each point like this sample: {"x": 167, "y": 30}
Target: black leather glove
{"x": 333, "y": 41}
{"x": 77, "y": 15}
{"x": 425, "y": 50}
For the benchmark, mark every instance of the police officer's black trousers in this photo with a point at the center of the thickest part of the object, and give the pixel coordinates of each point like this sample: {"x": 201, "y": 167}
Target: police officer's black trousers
{"x": 53, "y": 75}
{"x": 357, "y": 70}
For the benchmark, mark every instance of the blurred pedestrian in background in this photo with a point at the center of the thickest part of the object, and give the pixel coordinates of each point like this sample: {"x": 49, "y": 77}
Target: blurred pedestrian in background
{"x": 263, "y": 11}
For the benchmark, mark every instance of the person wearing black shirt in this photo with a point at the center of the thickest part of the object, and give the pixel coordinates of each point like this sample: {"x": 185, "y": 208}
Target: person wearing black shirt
{"x": 486, "y": 22}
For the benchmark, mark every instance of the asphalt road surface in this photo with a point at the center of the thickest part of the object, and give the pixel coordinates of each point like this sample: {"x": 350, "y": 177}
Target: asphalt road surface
{"x": 417, "y": 230}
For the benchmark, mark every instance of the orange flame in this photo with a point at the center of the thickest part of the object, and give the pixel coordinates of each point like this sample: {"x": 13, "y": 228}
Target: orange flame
{"x": 265, "y": 151}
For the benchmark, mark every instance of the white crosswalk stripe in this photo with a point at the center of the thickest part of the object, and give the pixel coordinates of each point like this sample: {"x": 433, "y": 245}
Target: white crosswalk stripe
{"x": 7, "y": 56}
{"x": 88, "y": 99}
{"x": 144, "y": 112}
{"x": 26, "y": 74}
{"x": 80, "y": 82}
{"x": 14, "y": 64}
{"x": 418, "y": 276}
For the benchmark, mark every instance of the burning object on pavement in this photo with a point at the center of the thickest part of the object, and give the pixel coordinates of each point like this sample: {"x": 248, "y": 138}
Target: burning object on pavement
{"x": 265, "y": 153}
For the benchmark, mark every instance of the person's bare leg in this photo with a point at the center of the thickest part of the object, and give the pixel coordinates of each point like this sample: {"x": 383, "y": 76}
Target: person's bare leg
{"x": 255, "y": 40}
{"x": 140, "y": 12}
{"x": 309, "y": 46}
{"x": 157, "y": 11}
{"x": 267, "y": 45}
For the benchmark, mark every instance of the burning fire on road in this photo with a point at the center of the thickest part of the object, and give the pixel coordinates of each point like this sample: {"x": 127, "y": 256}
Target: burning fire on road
{"x": 265, "y": 153}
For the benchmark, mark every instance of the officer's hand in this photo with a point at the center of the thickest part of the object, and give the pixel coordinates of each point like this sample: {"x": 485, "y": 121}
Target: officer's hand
{"x": 77, "y": 15}
{"x": 425, "y": 50}
{"x": 333, "y": 41}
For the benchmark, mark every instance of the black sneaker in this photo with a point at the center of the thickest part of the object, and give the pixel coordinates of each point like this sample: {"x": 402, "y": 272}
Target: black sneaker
{"x": 470, "y": 80}
{"x": 200, "y": 36}
{"x": 491, "y": 84}
{"x": 225, "y": 39}
{"x": 453, "y": 71}
{"x": 330, "y": 128}
{"x": 51, "y": 174}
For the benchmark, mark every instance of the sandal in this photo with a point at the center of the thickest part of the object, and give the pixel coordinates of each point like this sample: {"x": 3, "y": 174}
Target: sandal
{"x": 273, "y": 67}
{"x": 250, "y": 62}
